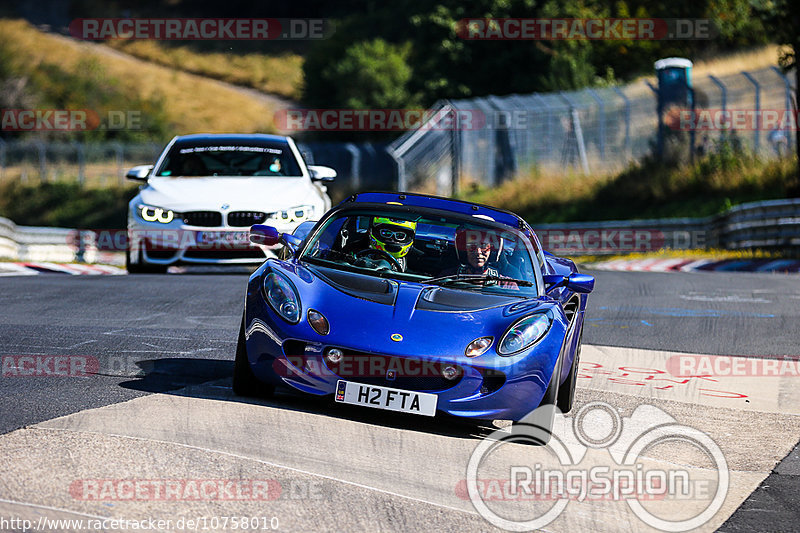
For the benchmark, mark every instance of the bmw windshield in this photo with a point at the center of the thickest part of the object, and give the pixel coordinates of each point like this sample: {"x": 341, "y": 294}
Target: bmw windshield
{"x": 457, "y": 253}
{"x": 230, "y": 159}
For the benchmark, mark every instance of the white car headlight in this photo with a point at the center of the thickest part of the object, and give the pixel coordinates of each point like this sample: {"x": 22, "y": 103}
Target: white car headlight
{"x": 525, "y": 333}
{"x": 301, "y": 213}
{"x": 149, "y": 213}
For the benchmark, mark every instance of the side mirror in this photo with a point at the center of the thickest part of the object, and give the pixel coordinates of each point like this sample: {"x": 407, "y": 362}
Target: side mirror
{"x": 583, "y": 283}
{"x": 266, "y": 235}
{"x": 270, "y": 236}
{"x": 320, "y": 173}
{"x": 139, "y": 173}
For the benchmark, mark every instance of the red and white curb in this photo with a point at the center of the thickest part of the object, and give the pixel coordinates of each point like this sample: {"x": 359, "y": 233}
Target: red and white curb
{"x": 692, "y": 265}
{"x": 76, "y": 269}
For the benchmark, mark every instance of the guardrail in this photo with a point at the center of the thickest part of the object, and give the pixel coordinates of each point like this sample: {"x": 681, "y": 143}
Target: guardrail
{"x": 31, "y": 243}
{"x": 772, "y": 225}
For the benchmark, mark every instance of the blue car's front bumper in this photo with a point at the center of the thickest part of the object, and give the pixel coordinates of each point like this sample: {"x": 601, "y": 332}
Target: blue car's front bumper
{"x": 489, "y": 387}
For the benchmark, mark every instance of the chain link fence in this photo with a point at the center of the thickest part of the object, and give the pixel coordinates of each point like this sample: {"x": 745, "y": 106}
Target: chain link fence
{"x": 493, "y": 139}
{"x": 94, "y": 164}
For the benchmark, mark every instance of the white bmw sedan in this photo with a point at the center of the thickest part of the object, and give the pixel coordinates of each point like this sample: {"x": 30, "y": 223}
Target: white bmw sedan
{"x": 205, "y": 191}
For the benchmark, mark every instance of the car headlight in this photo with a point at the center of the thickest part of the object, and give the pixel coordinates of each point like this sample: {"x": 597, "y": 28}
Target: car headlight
{"x": 525, "y": 333}
{"x": 156, "y": 214}
{"x": 301, "y": 213}
{"x": 282, "y": 297}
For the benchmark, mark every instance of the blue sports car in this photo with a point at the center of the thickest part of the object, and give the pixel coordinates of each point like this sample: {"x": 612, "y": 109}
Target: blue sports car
{"x": 416, "y": 304}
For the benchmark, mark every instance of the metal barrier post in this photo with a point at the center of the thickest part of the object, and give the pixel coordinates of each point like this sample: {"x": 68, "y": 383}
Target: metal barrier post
{"x": 81, "y": 162}
{"x": 2, "y": 159}
{"x": 455, "y": 152}
{"x": 757, "y": 121}
{"x": 575, "y": 122}
{"x": 118, "y": 152}
{"x": 42, "y": 150}
{"x": 549, "y": 136}
{"x": 628, "y": 151}
{"x": 724, "y": 96}
{"x": 787, "y": 83}
{"x": 602, "y": 110}
{"x": 355, "y": 166}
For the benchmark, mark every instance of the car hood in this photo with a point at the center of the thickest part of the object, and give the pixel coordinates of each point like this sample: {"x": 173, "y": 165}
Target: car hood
{"x": 426, "y": 317}
{"x": 258, "y": 193}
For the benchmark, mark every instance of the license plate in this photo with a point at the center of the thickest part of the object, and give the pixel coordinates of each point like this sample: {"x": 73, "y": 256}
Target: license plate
{"x": 223, "y": 237}
{"x": 404, "y": 401}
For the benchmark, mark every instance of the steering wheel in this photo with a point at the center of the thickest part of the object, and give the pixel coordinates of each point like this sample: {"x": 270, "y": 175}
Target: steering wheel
{"x": 382, "y": 254}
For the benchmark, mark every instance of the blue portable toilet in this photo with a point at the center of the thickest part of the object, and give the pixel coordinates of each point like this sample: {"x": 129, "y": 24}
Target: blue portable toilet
{"x": 674, "y": 88}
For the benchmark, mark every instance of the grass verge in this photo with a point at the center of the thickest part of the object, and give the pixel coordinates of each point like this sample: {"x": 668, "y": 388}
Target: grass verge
{"x": 277, "y": 74}
{"x": 64, "y": 73}
{"x": 649, "y": 189}
{"x": 66, "y": 205}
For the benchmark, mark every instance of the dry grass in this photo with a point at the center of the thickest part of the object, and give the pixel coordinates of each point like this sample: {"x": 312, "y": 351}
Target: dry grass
{"x": 541, "y": 186}
{"x": 281, "y": 74}
{"x": 755, "y": 59}
{"x": 193, "y": 104}
{"x": 723, "y": 65}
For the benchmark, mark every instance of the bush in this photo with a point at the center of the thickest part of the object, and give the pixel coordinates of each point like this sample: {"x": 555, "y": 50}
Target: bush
{"x": 368, "y": 75}
{"x": 64, "y": 204}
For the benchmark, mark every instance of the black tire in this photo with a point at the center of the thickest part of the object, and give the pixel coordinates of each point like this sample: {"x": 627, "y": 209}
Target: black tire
{"x": 539, "y": 425}
{"x": 132, "y": 268}
{"x": 245, "y": 382}
{"x": 141, "y": 267}
{"x": 566, "y": 393}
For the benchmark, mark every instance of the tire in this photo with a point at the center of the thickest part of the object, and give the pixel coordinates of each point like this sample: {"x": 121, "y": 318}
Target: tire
{"x": 540, "y": 425}
{"x": 566, "y": 393}
{"x": 245, "y": 382}
{"x": 141, "y": 267}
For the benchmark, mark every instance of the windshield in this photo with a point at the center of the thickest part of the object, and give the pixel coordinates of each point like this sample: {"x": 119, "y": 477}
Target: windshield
{"x": 230, "y": 160}
{"x": 445, "y": 251}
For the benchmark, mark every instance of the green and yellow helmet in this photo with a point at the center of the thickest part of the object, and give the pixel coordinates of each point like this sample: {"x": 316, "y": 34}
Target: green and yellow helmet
{"x": 392, "y": 235}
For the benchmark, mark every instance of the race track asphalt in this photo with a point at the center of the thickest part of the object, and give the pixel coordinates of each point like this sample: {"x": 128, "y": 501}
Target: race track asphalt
{"x": 160, "y": 340}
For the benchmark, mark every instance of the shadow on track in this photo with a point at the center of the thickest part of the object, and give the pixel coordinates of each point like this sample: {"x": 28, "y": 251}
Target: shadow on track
{"x": 211, "y": 379}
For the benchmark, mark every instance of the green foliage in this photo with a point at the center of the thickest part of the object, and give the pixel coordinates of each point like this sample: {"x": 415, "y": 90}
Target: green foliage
{"x": 65, "y": 204}
{"x": 445, "y": 65}
{"x": 371, "y": 75}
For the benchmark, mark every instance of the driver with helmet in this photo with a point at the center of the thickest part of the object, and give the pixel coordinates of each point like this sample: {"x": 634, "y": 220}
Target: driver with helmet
{"x": 392, "y": 237}
{"x": 479, "y": 253}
